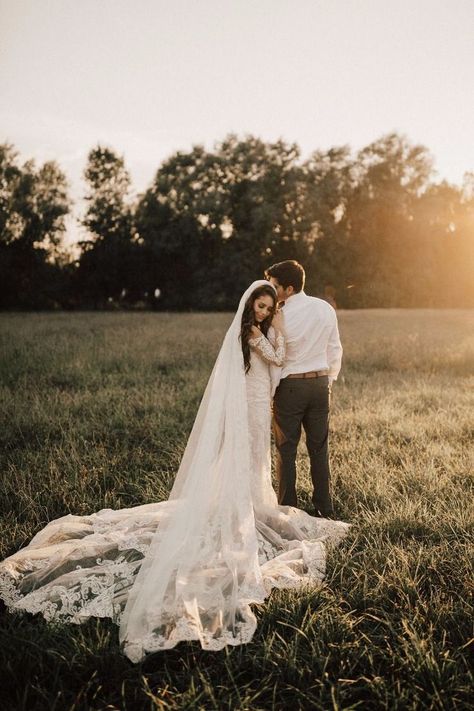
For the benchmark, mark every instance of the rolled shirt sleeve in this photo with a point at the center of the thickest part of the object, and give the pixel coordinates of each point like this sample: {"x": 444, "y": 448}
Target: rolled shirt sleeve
{"x": 334, "y": 351}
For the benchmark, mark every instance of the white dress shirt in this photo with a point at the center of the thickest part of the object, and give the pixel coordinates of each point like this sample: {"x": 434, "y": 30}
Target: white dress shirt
{"x": 312, "y": 336}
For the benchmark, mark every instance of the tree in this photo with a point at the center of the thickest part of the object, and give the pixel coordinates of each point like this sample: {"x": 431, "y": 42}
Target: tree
{"x": 371, "y": 228}
{"x": 391, "y": 175}
{"x": 178, "y": 219}
{"x": 443, "y": 232}
{"x": 212, "y": 221}
{"x": 106, "y": 266}
{"x": 329, "y": 183}
{"x": 33, "y": 205}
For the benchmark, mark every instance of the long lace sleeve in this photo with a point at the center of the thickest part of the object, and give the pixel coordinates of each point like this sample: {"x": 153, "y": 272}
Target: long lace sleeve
{"x": 266, "y": 350}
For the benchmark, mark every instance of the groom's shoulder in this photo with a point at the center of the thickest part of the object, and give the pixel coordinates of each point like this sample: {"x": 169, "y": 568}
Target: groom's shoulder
{"x": 322, "y": 305}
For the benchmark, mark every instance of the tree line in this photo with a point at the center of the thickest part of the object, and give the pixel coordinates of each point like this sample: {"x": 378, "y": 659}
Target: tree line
{"x": 372, "y": 228}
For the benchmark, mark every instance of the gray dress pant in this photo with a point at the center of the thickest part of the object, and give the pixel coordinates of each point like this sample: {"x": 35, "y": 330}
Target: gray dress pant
{"x": 302, "y": 401}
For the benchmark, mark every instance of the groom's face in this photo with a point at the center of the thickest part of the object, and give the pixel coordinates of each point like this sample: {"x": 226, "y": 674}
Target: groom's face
{"x": 282, "y": 293}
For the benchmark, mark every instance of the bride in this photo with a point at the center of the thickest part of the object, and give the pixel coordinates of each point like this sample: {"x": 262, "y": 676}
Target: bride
{"x": 190, "y": 567}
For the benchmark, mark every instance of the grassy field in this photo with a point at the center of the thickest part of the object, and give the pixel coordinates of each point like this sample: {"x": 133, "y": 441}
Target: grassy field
{"x": 96, "y": 408}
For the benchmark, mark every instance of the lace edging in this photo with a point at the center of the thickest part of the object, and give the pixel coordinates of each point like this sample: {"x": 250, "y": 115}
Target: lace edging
{"x": 185, "y": 631}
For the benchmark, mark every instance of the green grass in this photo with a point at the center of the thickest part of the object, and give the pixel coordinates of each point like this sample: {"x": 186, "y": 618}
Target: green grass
{"x": 96, "y": 409}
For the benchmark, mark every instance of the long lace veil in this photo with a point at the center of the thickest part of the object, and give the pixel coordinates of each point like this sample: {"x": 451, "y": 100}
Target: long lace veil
{"x": 201, "y": 570}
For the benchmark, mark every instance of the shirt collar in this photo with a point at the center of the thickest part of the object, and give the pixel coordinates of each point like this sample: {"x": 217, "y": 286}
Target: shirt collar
{"x": 295, "y": 299}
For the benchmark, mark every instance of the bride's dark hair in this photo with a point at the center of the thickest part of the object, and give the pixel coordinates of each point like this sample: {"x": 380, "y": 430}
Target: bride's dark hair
{"x": 248, "y": 320}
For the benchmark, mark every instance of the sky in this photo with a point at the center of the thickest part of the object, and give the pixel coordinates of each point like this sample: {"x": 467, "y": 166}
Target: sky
{"x": 150, "y": 77}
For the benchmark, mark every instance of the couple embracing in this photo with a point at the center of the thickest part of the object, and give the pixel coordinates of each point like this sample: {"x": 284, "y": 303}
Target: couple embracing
{"x": 190, "y": 567}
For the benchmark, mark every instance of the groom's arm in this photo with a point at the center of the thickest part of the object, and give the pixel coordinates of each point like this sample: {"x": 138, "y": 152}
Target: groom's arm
{"x": 334, "y": 351}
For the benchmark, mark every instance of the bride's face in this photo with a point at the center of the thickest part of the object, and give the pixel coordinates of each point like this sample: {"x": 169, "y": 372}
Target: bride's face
{"x": 263, "y": 306}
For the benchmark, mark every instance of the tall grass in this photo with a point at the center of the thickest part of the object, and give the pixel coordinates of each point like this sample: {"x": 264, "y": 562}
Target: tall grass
{"x": 96, "y": 409}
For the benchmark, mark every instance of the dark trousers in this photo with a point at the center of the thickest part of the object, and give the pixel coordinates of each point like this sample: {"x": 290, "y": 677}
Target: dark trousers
{"x": 302, "y": 401}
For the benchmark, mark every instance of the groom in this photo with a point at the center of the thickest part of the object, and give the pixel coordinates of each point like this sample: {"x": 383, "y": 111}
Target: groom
{"x": 313, "y": 361}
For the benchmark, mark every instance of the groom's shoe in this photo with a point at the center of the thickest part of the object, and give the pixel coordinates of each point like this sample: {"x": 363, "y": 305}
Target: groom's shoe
{"x": 329, "y": 513}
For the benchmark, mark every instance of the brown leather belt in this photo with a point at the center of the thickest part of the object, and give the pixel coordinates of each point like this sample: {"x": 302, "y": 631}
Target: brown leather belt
{"x": 311, "y": 374}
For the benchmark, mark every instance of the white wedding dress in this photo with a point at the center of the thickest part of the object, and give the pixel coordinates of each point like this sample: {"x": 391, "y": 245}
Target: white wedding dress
{"x": 189, "y": 567}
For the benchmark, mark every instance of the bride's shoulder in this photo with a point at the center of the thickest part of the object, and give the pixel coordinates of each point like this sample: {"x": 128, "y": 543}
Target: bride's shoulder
{"x": 255, "y": 333}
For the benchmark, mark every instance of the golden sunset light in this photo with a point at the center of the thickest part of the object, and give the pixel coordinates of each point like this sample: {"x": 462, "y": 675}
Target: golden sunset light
{"x": 236, "y": 355}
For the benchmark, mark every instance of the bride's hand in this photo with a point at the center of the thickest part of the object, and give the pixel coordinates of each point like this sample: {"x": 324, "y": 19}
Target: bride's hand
{"x": 277, "y": 321}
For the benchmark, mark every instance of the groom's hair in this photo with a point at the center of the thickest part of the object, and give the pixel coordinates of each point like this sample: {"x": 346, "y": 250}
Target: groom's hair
{"x": 288, "y": 273}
